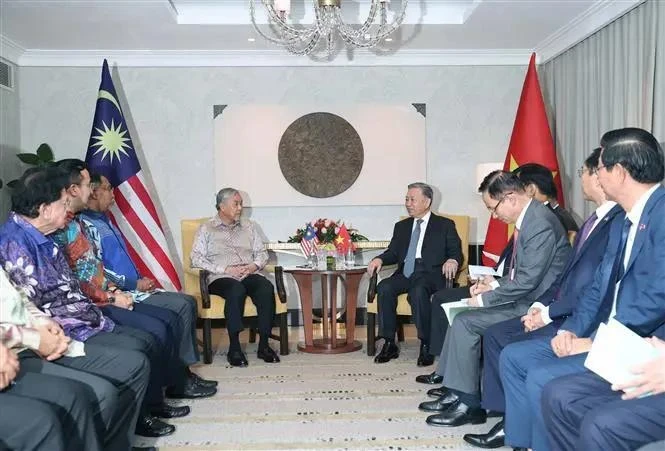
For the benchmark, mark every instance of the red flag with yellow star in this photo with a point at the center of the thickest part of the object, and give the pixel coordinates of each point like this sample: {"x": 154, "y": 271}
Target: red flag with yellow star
{"x": 531, "y": 142}
{"x": 343, "y": 240}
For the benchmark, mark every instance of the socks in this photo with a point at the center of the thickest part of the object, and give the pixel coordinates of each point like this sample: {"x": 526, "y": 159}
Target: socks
{"x": 468, "y": 399}
{"x": 234, "y": 340}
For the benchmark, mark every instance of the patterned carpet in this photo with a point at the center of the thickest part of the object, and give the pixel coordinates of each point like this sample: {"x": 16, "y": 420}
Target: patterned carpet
{"x": 314, "y": 402}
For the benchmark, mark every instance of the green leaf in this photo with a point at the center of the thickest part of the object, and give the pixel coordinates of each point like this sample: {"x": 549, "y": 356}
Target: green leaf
{"x": 44, "y": 152}
{"x": 28, "y": 158}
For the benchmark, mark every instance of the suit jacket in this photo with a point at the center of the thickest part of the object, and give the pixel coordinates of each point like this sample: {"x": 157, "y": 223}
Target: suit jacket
{"x": 580, "y": 269}
{"x": 541, "y": 252}
{"x": 441, "y": 242}
{"x": 641, "y": 297}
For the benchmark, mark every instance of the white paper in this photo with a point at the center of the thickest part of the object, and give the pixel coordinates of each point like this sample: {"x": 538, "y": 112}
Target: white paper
{"x": 616, "y": 350}
{"x": 476, "y": 272}
{"x": 452, "y": 309}
{"x": 75, "y": 349}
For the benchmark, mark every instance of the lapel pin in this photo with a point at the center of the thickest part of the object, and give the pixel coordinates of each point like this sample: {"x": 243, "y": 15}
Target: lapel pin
{"x": 642, "y": 227}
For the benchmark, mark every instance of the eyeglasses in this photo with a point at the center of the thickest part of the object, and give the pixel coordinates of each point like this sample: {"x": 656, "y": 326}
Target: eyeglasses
{"x": 597, "y": 169}
{"x": 581, "y": 171}
{"x": 493, "y": 209}
{"x": 104, "y": 187}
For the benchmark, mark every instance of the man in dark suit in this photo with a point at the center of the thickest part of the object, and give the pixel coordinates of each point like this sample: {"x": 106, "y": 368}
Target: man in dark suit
{"x": 585, "y": 412}
{"x": 540, "y": 186}
{"x": 552, "y": 308}
{"x": 627, "y": 286}
{"x": 540, "y": 254}
{"x": 427, "y": 250}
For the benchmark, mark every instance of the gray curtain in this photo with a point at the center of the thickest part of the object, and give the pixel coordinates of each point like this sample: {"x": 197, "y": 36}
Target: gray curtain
{"x": 614, "y": 78}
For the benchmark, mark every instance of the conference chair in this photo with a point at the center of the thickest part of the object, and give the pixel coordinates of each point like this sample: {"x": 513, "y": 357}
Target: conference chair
{"x": 211, "y": 306}
{"x": 403, "y": 306}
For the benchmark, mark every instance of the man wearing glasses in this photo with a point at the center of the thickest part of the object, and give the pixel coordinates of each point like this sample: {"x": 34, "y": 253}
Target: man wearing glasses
{"x": 541, "y": 251}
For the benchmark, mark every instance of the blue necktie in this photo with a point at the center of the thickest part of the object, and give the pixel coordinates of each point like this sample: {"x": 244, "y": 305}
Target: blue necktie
{"x": 622, "y": 250}
{"x": 410, "y": 260}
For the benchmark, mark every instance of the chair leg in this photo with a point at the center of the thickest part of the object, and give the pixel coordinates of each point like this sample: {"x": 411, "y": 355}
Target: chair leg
{"x": 207, "y": 341}
{"x": 371, "y": 334}
{"x": 252, "y": 335}
{"x": 400, "y": 331}
{"x": 283, "y": 335}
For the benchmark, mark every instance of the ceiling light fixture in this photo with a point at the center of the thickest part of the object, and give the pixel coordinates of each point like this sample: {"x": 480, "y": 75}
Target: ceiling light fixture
{"x": 322, "y": 35}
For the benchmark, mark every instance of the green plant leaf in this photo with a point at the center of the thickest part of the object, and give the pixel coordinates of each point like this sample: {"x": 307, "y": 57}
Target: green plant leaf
{"x": 44, "y": 152}
{"x": 28, "y": 158}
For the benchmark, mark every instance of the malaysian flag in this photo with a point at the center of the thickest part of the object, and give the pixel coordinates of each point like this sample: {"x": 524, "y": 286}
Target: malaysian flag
{"x": 309, "y": 241}
{"x": 112, "y": 154}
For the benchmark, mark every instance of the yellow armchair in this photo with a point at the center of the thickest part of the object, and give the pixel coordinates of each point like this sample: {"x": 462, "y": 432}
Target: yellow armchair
{"x": 403, "y": 307}
{"x": 212, "y": 306}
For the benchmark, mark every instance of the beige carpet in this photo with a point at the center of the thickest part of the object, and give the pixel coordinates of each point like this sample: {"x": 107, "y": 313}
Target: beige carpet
{"x": 310, "y": 401}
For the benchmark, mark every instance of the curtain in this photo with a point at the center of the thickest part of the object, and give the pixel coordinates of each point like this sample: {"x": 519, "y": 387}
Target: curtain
{"x": 613, "y": 79}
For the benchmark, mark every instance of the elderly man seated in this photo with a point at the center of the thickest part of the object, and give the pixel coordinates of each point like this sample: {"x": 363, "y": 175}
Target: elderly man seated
{"x": 231, "y": 248}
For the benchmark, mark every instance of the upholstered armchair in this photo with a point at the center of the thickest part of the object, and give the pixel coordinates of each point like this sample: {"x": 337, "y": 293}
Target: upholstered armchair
{"x": 211, "y": 306}
{"x": 403, "y": 306}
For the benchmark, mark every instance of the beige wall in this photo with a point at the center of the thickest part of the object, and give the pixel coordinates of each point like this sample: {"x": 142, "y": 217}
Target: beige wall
{"x": 470, "y": 113}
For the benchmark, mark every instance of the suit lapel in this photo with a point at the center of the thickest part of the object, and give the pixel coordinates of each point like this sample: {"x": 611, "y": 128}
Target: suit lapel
{"x": 428, "y": 232}
{"x": 643, "y": 226}
{"x": 408, "y": 225}
{"x": 599, "y": 229}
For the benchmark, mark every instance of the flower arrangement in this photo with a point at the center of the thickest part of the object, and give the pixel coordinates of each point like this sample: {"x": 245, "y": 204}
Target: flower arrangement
{"x": 326, "y": 231}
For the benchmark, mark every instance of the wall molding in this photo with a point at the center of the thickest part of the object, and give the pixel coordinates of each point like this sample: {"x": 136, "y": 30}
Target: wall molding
{"x": 10, "y": 50}
{"x": 269, "y": 58}
{"x": 601, "y": 14}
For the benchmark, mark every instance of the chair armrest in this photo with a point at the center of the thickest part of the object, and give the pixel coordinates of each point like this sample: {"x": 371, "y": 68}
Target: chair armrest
{"x": 279, "y": 282}
{"x": 371, "y": 290}
{"x": 203, "y": 286}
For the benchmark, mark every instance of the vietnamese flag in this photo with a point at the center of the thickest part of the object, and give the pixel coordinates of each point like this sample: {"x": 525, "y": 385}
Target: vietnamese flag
{"x": 530, "y": 142}
{"x": 343, "y": 240}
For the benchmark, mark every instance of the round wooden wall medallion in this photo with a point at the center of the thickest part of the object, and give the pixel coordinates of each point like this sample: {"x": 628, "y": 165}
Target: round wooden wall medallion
{"x": 320, "y": 155}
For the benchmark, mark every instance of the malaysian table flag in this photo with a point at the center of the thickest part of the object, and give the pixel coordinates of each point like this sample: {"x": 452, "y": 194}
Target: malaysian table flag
{"x": 309, "y": 241}
{"x": 111, "y": 153}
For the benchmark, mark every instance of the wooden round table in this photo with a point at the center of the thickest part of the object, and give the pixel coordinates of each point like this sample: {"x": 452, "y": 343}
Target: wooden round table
{"x": 328, "y": 344}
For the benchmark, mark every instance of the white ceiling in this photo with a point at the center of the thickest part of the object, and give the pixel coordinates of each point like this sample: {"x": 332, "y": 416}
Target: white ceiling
{"x": 206, "y": 32}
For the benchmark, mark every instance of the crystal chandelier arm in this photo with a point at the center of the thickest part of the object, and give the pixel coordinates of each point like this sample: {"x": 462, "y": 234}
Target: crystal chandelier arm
{"x": 352, "y": 37}
{"x": 273, "y": 16}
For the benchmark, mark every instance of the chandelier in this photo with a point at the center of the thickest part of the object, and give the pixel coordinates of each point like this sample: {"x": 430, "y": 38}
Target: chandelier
{"x": 322, "y": 35}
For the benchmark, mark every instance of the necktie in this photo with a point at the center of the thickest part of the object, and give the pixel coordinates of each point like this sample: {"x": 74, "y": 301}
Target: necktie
{"x": 586, "y": 230}
{"x": 410, "y": 260}
{"x": 511, "y": 270}
{"x": 622, "y": 249}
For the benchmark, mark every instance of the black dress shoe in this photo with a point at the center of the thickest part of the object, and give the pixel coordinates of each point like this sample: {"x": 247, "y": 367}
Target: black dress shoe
{"x": 198, "y": 380}
{"x": 149, "y": 426}
{"x": 190, "y": 391}
{"x": 458, "y": 414}
{"x": 237, "y": 358}
{"x": 495, "y": 438}
{"x": 520, "y": 449}
{"x": 441, "y": 404}
{"x": 167, "y": 411}
{"x": 143, "y": 448}
{"x": 388, "y": 352}
{"x": 425, "y": 358}
{"x": 431, "y": 378}
{"x": 437, "y": 392}
{"x": 268, "y": 355}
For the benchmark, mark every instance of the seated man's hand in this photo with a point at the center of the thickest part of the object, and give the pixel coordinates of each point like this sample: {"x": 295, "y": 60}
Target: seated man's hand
{"x": 649, "y": 377}
{"x": 479, "y": 288}
{"x": 473, "y": 302}
{"x": 535, "y": 319}
{"x": 145, "y": 284}
{"x": 562, "y": 344}
{"x": 9, "y": 366}
{"x": 124, "y": 300}
{"x": 449, "y": 268}
{"x": 487, "y": 280}
{"x": 246, "y": 270}
{"x": 52, "y": 346}
{"x": 51, "y": 325}
{"x": 526, "y": 322}
{"x": 374, "y": 265}
{"x": 581, "y": 345}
